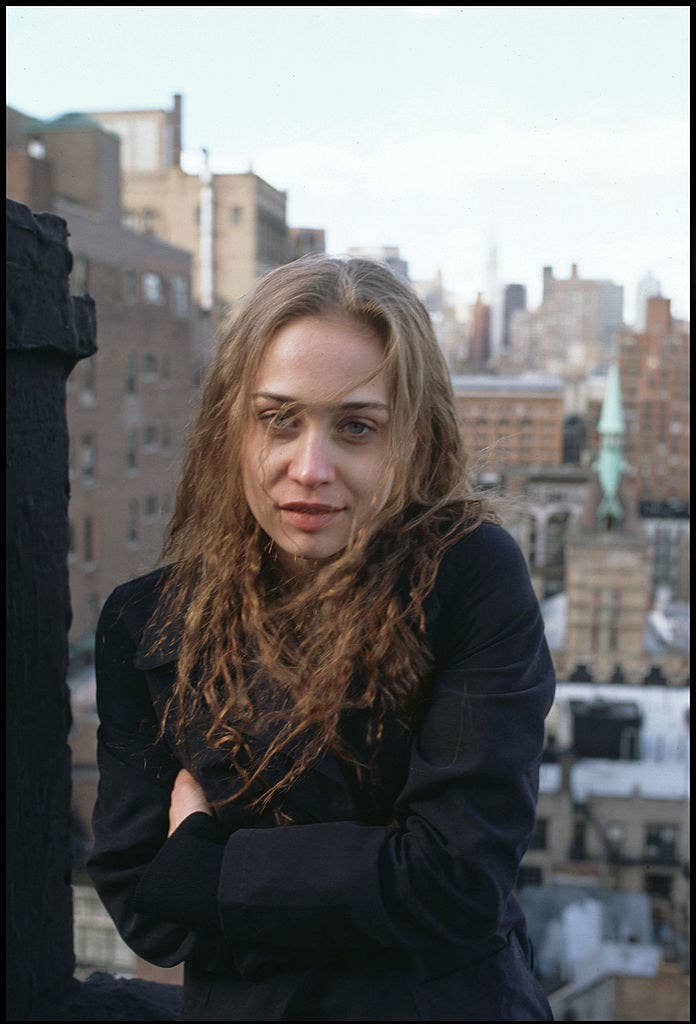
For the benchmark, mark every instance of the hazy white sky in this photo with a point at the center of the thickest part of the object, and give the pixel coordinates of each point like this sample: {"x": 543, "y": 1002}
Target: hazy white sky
{"x": 559, "y": 132}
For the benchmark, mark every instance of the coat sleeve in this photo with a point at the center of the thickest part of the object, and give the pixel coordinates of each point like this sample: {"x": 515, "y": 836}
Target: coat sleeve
{"x": 465, "y": 815}
{"x": 131, "y": 814}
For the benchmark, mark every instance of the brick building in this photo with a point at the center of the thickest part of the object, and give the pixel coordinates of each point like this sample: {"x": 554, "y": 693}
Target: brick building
{"x": 129, "y": 405}
{"x": 654, "y": 366}
{"x": 511, "y": 421}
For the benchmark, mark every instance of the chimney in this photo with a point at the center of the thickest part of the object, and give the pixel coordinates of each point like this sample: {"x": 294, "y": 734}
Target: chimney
{"x": 573, "y": 271}
{"x": 658, "y": 316}
{"x": 547, "y": 283}
{"x": 176, "y": 130}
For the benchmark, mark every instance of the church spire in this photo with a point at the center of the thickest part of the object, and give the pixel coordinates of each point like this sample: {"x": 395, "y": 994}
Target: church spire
{"x": 610, "y": 464}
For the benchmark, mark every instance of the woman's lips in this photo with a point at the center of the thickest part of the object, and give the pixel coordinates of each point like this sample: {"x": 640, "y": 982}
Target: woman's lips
{"x": 307, "y": 516}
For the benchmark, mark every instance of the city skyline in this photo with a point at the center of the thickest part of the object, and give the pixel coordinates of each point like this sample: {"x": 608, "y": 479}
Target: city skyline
{"x": 438, "y": 130}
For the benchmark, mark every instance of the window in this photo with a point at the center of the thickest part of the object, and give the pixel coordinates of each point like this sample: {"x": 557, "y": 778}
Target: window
{"x": 88, "y": 459}
{"x": 661, "y": 842}
{"x": 179, "y": 294}
{"x": 152, "y": 288}
{"x": 36, "y": 148}
{"x": 88, "y": 541}
{"x": 133, "y": 516}
{"x": 130, "y": 287}
{"x": 149, "y": 221}
{"x": 539, "y": 839}
{"x": 151, "y": 505}
{"x": 130, "y": 380}
{"x": 659, "y": 885}
{"x": 150, "y": 437}
{"x": 79, "y": 276}
{"x": 132, "y": 449}
{"x": 614, "y": 609}
{"x": 615, "y": 835}
{"x": 236, "y": 214}
{"x": 149, "y": 366}
{"x": 88, "y": 378}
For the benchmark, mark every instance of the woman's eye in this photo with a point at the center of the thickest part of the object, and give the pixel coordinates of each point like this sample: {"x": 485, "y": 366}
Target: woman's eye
{"x": 278, "y": 420}
{"x": 356, "y": 428}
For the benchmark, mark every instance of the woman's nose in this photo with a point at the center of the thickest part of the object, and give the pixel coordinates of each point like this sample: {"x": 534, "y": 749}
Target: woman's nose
{"x": 311, "y": 463}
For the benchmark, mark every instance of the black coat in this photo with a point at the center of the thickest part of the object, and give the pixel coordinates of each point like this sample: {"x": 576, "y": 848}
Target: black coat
{"x": 384, "y": 901}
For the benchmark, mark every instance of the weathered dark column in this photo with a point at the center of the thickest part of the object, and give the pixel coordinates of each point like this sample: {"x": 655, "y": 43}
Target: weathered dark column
{"x": 47, "y": 333}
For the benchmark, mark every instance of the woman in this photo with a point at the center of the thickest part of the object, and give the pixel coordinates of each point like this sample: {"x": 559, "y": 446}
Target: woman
{"x": 321, "y": 723}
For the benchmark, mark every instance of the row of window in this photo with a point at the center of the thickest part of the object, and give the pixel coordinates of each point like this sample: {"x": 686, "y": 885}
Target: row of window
{"x": 654, "y": 884}
{"x": 153, "y": 438}
{"x": 659, "y": 840}
{"x": 82, "y": 541}
{"x": 146, "y": 220}
{"x": 138, "y": 286}
{"x": 152, "y": 368}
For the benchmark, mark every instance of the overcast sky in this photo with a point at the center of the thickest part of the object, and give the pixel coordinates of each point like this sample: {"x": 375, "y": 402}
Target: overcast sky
{"x": 557, "y": 133}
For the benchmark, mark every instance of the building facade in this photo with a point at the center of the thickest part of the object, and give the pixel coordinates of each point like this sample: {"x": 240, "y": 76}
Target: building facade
{"x": 234, "y": 225}
{"x": 514, "y": 300}
{"x": 572, "y": 332}
{"x": 613, "y": 805}
{"x": 305, "y": 241}
{"x": 129, "y": 406}
{"x": 479, "y": 334}
{"x": 654, "y": 366}
{"x": 510, "y": 421}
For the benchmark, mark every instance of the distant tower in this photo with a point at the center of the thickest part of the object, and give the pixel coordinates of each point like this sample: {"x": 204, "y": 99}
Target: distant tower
{"x": 646, "y": 288}
{"x": 514, "y": 298}
{"x": 494, "y": 303}
{"x": 608, "y": 565}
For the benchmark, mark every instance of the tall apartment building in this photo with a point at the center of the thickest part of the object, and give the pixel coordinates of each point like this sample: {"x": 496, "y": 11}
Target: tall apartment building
{"x": 571, "y": 333}
{"x": 514, "y": 299}
{"x": 510, "y": 421}
{"x": 479, "y": 334}
{"x": 234, "y": 225}
{"x": 128, "y": 406}
{"x": 654, "y": 366}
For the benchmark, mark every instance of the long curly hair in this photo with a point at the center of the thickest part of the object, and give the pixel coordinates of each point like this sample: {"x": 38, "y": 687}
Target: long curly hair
{"x": 352, "y": 634}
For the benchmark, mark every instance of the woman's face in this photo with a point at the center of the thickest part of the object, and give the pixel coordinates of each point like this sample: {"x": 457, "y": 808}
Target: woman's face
{"x": 311, "y": 472}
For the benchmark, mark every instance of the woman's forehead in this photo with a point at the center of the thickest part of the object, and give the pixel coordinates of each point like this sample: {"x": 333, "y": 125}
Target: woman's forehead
{"x": 311, "y": 359}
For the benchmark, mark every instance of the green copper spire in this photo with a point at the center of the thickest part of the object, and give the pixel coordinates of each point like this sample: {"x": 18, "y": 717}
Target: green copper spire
{"x": 611, "y": 420}
{"x": 610, "y": 464}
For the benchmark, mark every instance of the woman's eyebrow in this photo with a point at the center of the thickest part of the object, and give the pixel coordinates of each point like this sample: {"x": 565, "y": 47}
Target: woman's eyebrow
{"x": 342, "y": 405}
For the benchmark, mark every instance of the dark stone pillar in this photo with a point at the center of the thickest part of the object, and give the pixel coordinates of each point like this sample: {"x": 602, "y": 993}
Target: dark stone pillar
{"x": 47, "y": 333}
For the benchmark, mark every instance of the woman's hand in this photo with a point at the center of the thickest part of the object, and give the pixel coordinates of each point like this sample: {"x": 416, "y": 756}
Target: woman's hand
{"x": 187, "y": 798}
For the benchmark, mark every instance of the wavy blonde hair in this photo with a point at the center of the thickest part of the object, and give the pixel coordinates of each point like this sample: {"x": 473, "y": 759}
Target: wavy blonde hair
{"x": 352, "y": 635}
